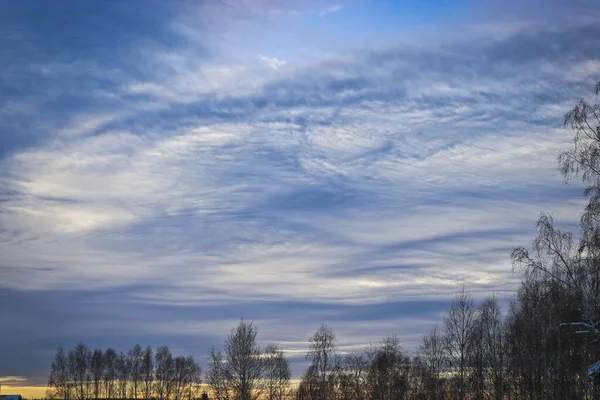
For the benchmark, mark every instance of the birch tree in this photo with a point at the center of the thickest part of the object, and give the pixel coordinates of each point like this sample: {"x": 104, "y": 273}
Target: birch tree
{"x": 244, "y": 365}
{"x": 322, "y": 352}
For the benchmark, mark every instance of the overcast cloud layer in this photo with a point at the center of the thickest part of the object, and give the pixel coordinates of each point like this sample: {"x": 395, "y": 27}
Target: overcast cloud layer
{"x": 167, "y": 168}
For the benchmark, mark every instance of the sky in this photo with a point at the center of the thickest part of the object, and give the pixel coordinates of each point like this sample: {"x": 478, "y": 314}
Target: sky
{"x": 168, "y": 168}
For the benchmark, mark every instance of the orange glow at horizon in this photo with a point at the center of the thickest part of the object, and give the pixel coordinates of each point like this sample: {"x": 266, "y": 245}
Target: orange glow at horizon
{"x": 28, "y": 392}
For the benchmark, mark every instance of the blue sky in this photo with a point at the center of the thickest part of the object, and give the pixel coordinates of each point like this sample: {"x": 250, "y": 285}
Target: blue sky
{"x": 169, "y": 167}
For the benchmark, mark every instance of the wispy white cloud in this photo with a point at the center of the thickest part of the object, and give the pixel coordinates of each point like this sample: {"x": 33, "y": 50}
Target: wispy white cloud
{"x": 319, "y": 9}
{"x": 330, "y": 10}
{"x": 273, "y": 62}
{"x": 198, "y": 184}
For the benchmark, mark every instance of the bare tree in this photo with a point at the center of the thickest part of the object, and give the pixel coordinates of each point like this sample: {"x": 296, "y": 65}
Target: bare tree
{"x": 196, "y": 384}
{"x": 567, "y": 271}
{"x": 491, "y": 327}
{"x": 122, "y": 370}
{"x": 97, "y": 369}
{"x": 110, "y": 373}
{"x": 388, "y": 370}
{"x": 60, "y": 381}
{"x": 277, "y": 373}
{"x": 79, "y": 365}
{"x": 583, "y": 160}
{"x": 322, "y": 350}
{"x": 458, "y": 326}
{"x": 583, "y": 276}
{"x": 147, "y": 373}
{"x": 187, "y": 377}
{"x": 135, "y": 361}
{"x": 431, "y": 361}
{"x": 244, "y": 366}
{"x": 353, "y": 376}
{"x": 217, "y": 379}
{"x": 164, "y": 374}
{"x": 310, "y": 385}
{"x": 528, "y": 334}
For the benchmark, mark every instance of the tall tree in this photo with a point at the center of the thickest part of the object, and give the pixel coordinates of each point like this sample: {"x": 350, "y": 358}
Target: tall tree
{"x": 217, "y": 379}
{"x": 582, "y": 160}
{"x": 527, "y": 341}
{"x": 122, "y": 372}
{"x": 355, "y": 368}
{"x": 491, "y": 326}
{"x": 135, "y": 361}
{"x": 244, "y": 364}
{"x": 458, "y": 327}
{"x": 60, "y": 380}
{"x": 431, "y": 360}
{"x": 388, "y": 370}
{"x": 321, "y": 352}
{"x": 187, "y": 378}
{"x": 164, "y": 373}
{"x": 110, "y": 373}
{"x": 564, "y": 273}
{"x": 277, "y": 373}
{"x": 97, "y": 369}
{"x": 147, "y": 373}
{"x": 310, "y": 385}
{"x": 79, "y": 366}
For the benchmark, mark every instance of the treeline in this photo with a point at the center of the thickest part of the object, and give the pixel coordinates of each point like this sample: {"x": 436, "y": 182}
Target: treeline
{"x": 83, "y": 374}
{"x": 242, "y": 370}
{"x": 546, "y": 346}
{"x": 476, "y": 353}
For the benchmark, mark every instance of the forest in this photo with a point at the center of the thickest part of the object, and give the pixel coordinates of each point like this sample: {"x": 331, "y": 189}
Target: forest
{"x": 546, "y": 345}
